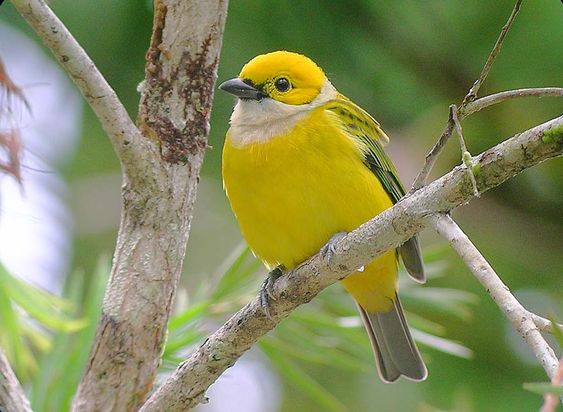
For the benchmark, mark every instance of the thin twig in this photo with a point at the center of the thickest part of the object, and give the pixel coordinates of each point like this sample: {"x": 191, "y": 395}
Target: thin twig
{"x": 472, "y": 94}
{"x": 12, "y": 397}
{"x": 432, "y": 156}
{"x": 484, "y": 102}
{"x": 187, "y": 386}
{"x": 543, "y": 324}
{"x": 110, "y": 111}
{"x": 465, "y": 154}
{"x": 469, "y": 109}
{"x": 513, "y": 310}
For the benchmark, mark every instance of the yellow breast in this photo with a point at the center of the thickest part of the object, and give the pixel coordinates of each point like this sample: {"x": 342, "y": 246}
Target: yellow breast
{"x": 291, "y": 193}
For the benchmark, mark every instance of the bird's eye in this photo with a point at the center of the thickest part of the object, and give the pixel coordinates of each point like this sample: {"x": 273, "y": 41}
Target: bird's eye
{"x": 282, "y": 84}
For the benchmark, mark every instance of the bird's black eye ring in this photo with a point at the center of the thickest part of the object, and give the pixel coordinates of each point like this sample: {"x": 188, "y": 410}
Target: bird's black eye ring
{"x": 282, "y": 84}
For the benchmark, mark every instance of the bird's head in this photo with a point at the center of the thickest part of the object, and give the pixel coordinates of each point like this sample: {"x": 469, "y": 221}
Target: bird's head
{"x": 286, "y": 77}
{"x": 275, "y": 91}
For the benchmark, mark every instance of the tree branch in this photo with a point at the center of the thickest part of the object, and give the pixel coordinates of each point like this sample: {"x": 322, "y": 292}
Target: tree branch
{"x": 484, "y": 102}
{"x": 12, "y": 397}
{"x": 453, "y": 122}
{"x": 161, "y": 172}
{"x": 545, "y": 325}
{"x": 467, "y": 110}
{"x": 432, "y": 156}
{"x": 472, "y": 94}
{"x": 520, "y": 318}
{"x": 108, "y": 108}
{"x": 186, "y": 387}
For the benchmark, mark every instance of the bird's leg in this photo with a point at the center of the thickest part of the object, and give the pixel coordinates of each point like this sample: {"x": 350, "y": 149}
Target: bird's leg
{"x": 266, "y": 289}
{"x": 328, "y": 250}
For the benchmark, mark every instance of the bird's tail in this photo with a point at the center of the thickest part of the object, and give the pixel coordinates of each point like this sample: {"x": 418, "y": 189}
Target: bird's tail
{"x": 393, "y": 346}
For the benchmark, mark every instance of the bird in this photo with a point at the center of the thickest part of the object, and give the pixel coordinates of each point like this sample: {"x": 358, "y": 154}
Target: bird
{"x": 302, "y": 166}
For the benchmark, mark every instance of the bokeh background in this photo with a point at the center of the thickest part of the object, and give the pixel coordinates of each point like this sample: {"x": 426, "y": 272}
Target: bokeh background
{"x": 404, "y": 62}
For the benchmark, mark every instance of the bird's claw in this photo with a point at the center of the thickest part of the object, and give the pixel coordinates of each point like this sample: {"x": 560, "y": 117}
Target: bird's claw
{"x": 328, "y": 250}
{"x": 266, "y": 289}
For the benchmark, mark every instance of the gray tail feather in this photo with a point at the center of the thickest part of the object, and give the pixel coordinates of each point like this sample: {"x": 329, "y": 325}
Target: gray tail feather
{"x": 393, "y": 346}
{"x": 412, "y": 258}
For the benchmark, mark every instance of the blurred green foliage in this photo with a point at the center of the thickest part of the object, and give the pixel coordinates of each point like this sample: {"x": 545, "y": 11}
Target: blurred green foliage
{"x": 329, "y": 325}
{"x": 28, "y": 316}
{"x": 404, "y": 62}
{"x": 54, "y": 384}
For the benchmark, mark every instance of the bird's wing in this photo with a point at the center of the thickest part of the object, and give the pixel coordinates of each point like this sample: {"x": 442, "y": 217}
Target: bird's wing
{"x": 360, "y": 125}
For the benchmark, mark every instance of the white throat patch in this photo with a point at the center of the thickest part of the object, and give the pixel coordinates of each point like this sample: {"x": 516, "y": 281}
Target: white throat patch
{"x": 255, "y": 121}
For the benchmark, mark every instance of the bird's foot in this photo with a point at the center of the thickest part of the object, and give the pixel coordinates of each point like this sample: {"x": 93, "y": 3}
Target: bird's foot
{"x": 266, "y": 289}
{"x": 328, "y": 250}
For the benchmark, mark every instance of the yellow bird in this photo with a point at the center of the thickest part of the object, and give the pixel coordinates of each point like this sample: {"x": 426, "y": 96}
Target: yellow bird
{"x": 303, "y": 165}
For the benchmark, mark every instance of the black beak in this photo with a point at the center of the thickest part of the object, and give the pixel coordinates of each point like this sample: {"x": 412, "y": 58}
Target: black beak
{"x": 240, "y": 89}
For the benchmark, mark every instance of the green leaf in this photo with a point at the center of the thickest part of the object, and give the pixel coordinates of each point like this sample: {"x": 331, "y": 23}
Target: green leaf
{"x": 192, "y": 313}
{"x": 441, "y": 344}
{"x": 419, "y": 322}
{"x": 444, "y": 300}
{"x": 318, "y": 354}
{"x": 43, "y": 306}
{"x": 318, "y": 319}
{"x": 61, "y": 368}
{"x": 236, "y": 277}
{"x": 11, "y": 340}
{"x": 330, "y": 325}
{"x": 188, "y": 338}
{"x": 38, "y": 338}
{"x": 331, "y": 336}
{"x": 542, "y": 388}
{"x": 305, "y": 383}
{"x": 23, "y": 290}
{"x": 236, "y": 272}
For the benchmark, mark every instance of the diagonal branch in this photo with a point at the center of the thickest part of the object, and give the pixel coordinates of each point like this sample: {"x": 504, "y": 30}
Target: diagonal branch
{"x": 432, "y": 156}
{"x": 520, "y": 318}
{"x": 12, "y": 397}
{"x": 186, "y": 387}
{"x": 472, "y": 94}
{"x": 484, "y": 102}
{"x": 452, "y": 124}
{"x": 93, "y": 86}
{"x": 467, "y": 110}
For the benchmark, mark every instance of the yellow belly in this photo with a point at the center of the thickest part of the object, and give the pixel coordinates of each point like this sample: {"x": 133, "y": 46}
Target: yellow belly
{"x": 290, "y": 194}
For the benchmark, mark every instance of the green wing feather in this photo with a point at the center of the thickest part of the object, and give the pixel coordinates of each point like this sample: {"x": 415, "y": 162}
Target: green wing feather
{"x": 360, "y": 125}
